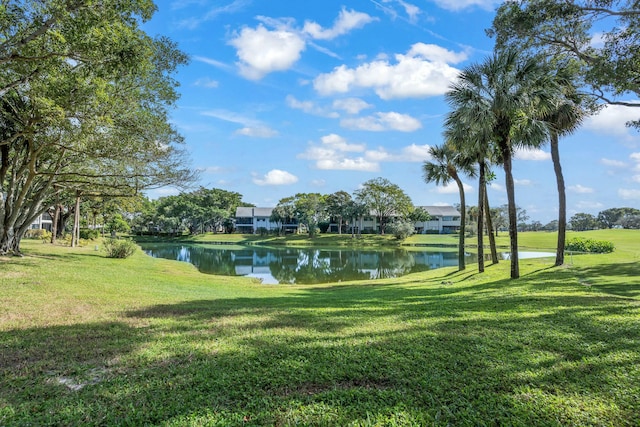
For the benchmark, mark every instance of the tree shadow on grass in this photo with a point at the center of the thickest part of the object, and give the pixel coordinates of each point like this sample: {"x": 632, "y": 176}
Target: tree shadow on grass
{"x": 432, "y": 355}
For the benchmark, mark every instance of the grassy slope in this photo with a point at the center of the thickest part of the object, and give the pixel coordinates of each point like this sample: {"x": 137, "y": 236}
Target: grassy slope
{"x": 88, "y": 340}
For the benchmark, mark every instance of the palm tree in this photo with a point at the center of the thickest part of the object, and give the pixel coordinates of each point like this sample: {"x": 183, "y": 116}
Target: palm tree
{"x": 474, "y": 145}
{"x": 504, "y": 98}
{"x": 443, "y": 168}
{"x": 563, "y": 119}
{"x": 492, "y": 237}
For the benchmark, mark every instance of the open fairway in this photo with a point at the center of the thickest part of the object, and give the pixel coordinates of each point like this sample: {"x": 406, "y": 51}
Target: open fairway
{"x": 86, "y": 340}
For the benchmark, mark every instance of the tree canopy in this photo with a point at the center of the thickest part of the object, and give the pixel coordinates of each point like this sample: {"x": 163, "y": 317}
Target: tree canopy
{"x": 384, "y": 200}
{"x": 84, "y": 108}
{"x": 600, "y": 35}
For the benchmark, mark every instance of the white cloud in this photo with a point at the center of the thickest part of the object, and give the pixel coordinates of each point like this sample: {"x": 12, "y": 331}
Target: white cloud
{"x": 535, "y": 154}
{"x": 597, "y": 40}
{"x": 357, "y": 164}
{"x": 452, "y": 188}
{"x": 523, "y": 182}
{"x": 192, "y": 23}
{"x": 206, "y": 82}
{"x": 497, "y": 187}
{"x": 251, "y": 127}
{"x": 333, "y": 154}
{"x": 347, "y": 20}
{"x": 262, "y": 51}
{"x": 629, "y": 194}
{"x": 612, "y": 119}
{"x": 213, "y": 62}
{"x": 383, "y": 122}
{"x": 422, "y": 72}
{"x": 613, "y": 163}
{"x": 351, "y": 105}
{"x": 412, "y": 10}
{"x": 339, "y": 143}
{"x": 580, "y": 189}
{"x": 257, "y": 132}
{"x": 635, "y": 178}
{"x": 456, "y": 5}
{"x": 276, "y": 177}
{"x": 275, "y": 44}
{"x": 230, "y": 116}
{"x": 310, "y": 107}
{"x": 416, "y": 153}
{"x": 318, "y": 182}
{"x": 411, "y": 153}
{"x": 586, "y": 205}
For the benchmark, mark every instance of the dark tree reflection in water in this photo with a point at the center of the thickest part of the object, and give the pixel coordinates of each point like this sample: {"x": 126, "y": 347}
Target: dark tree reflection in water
{"x": 304, "y": 265}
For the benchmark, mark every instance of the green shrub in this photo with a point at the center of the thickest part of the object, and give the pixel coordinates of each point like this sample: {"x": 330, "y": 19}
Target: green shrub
{"x": 119, "y": 248}
{"x": 402, "y": 229}
{"x": 579, "y": 244}
{"x": 323, "y": 226}
{"x": 89, "y": 233}
{"x": 38, "y": 233}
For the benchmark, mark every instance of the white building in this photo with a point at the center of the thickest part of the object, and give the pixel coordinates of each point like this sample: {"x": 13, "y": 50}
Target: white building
{"x": 250, "y": 220}
{"x": 444, "y": 219}
{"x": 44, "y": 222}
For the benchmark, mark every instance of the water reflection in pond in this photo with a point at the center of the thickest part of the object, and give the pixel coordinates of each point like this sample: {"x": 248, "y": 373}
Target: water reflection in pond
{"x": 305, "y": 265}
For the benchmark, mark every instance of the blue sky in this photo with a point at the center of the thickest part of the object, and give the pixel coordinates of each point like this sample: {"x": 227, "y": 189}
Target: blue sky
{"x": 282, "y": 97}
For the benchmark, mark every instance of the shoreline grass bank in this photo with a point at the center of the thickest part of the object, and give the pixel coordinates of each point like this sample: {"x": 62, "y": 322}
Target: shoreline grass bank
{"x": 87, "y": 340}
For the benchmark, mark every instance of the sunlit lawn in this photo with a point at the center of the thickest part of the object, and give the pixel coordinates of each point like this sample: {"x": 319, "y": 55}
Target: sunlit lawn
{"x": 86, "y": 340}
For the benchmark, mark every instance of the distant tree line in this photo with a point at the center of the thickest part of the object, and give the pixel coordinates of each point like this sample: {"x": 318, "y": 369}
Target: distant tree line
{"x": 628, "y": 218}
{"x": 214, "y": 210}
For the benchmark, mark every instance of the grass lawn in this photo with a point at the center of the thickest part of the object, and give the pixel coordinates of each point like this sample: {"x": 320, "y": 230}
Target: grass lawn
{"x": 86, "y": 340}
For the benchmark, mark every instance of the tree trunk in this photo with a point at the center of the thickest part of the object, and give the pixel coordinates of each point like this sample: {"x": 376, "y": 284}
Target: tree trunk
{"x": 54, "y": 223}
{"x": 562, "y": 200}
{"x": 492, "y": 238}
{"x": 75, "y": 237}
{"x": 513, "y": 215}
{"x": 10, "y": 243}
{"x": 463, "y": 217}
{"x": 481, "y": 185}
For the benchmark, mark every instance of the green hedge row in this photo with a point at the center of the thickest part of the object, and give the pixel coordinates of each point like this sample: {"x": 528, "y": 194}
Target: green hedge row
{"x": 579, "y": 244}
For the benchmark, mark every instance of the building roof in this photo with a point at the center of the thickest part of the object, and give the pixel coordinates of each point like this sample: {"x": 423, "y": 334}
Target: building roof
{"x": 250, "y": 212}
{"x": 441, "y": 210}
{"x": 262, "y": 212}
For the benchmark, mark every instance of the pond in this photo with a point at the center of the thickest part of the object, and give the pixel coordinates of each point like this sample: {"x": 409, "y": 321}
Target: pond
{"x": 304, "y": 265}
{"x": 275, "y": 265}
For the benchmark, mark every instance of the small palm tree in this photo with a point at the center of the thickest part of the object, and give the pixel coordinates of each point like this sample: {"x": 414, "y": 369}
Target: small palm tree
{"x": 444, "y": 167}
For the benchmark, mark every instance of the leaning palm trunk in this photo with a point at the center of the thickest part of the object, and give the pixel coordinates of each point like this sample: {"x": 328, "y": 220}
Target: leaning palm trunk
{"x": 463, "y": 213}
{"x": 492, "y": 237}
{"x": 562, "y": 199}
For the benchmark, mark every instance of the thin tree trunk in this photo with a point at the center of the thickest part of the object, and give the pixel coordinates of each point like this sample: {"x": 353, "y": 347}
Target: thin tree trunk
{"x": 463, "y": 218}
{"x": 54, "y": 226}
{"x": 513, "y": 215}
{"x": 562, "y": 200}
{"x": 481, "y": 185}
{"x": 76, "y": 223}
{"x": 492, "y": 238}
